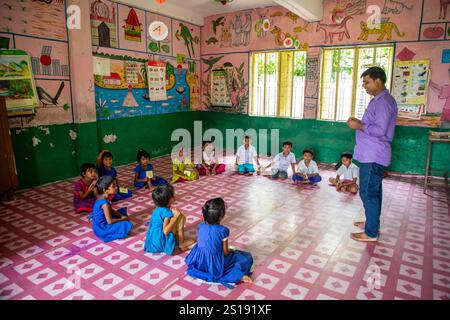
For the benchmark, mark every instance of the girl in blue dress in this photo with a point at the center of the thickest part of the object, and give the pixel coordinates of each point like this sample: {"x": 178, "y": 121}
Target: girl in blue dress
{"x": 166, "y": 227}
{"x": 211, "y": 260}
{"x": 143, "y": 173}
{"x": 105, "y": 168}
{"x": 109, "y": 224}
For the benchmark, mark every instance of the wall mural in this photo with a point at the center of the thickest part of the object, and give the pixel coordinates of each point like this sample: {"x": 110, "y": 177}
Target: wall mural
{"x": 132, "y": 30}
{"x": 395, "y": 7}
{"x": 185, "y": 33}
{"x": 345, "y": 22}
{"x": 36, "y": 18}
{"x": 124, "y": 92}
{"x": 164, "y": 46}
{"x": 330, "y": 30}
{"x": 103, "y": 23}
{"x": 384, "y": 30}
{"x": 239, "y": 87}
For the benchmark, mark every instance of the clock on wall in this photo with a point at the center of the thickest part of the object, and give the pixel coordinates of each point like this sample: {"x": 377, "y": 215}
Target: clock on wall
{"x": 158, "y": 30}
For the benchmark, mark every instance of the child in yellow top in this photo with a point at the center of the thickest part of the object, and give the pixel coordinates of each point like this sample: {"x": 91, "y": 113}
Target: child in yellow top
{"x": 183, "y": 168}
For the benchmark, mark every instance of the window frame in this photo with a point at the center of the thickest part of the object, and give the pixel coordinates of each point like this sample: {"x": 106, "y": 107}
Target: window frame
{"x": 356, "y": 77}
{"x": 251, "y": 108}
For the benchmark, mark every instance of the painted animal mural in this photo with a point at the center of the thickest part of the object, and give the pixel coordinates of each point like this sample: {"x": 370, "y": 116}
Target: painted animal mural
{"x": 331, "y": 30}
{"x": 247, "y": 29}
{"x": 395, "y": 7}
{"x": 238, "y": 30}
{"x": 443, "y": 9}
{"x": 385, "y": 30}
{"x": 189, "y": 40}
{"x": 352, "y": 7}
{"x": 226, "y": 39}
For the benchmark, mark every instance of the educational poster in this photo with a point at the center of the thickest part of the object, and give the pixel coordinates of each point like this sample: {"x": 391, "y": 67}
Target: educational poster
{"x": 221, "y": 83}
{"x": 156, "y": 75}
{"x": 132, "y": 29}
{"x": 312, "y": 85}
{"x": 45, "y": 19}
{"x": 103, "y": 23}
{"x": 238, "y": 67}
{"x": 165, "y": 46}
{"x": 409, "y": 88}
{"x": 17, "y": 82}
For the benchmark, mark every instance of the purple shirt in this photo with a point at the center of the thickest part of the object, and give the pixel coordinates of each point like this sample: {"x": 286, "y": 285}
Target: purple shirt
{"x": 373, "y": 143}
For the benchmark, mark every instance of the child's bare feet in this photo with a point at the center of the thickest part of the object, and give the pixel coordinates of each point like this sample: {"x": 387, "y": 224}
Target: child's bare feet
{"x": 247, "y": 279}
{"x": 186, "y": 245}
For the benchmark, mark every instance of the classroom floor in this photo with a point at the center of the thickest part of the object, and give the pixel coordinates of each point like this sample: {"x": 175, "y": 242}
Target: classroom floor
{"x": 299, "y": 240}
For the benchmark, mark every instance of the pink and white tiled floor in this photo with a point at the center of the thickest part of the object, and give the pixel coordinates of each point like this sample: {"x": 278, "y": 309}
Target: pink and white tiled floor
{"x": 299, "y": 240}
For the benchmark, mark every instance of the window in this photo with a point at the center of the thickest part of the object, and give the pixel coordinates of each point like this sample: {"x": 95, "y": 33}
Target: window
{"x": 278, "y": 83}
{"x": 341, "y": 94}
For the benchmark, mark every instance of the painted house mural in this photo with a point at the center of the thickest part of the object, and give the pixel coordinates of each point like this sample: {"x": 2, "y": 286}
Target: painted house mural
{"x": 103, "y": 23}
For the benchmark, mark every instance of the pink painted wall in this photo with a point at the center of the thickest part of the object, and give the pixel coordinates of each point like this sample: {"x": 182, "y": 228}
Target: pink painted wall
{"x": 231, "y": 33}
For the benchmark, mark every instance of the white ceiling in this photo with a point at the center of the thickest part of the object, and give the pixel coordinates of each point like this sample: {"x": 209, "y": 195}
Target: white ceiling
{"x": 195, "y": 10}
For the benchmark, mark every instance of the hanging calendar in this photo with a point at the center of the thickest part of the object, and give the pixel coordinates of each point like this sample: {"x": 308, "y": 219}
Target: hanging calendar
{"x": 221, "y": 83}
{"x": 410, "y": 85}
{"x": 156, "y": 74}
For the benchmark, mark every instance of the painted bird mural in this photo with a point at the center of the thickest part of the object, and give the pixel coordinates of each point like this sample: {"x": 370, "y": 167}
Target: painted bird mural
{"x": 211, "y": 62}
{"x": 46, "y": 98}
{"x": 218, "y": 22}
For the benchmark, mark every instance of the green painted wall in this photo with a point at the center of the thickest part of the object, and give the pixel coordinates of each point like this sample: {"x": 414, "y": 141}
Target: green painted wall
{"x": 330, "y": 139}
{"x": 152, "y": 133}
{"x": 46, "y": 163}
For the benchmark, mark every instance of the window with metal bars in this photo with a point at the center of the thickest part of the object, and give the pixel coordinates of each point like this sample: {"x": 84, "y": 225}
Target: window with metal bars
{"x": 341, "y": 92}
{"x": 278, "y": 83}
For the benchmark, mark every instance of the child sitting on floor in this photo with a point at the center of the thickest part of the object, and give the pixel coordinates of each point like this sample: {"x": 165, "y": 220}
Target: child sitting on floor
{"x": 85, "y": 192}
{"x": 307, "y": 170}
{"x": 245, "y": 157}
{"x": 182, "y": 167}
{"x": 281, "y": 162}
{"x": 350, "y": 172}
{"x": 166, "y": 227}
{"x": 109, "y": 224}
{"x": 105, "y": 168}
{"x": 211, "y": 259}
{"x": 143, "y": 173}
{"x": 210, "y": 163}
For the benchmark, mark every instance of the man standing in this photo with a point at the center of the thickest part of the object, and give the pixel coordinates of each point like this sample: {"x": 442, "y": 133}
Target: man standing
{"x": 374, "y": 134}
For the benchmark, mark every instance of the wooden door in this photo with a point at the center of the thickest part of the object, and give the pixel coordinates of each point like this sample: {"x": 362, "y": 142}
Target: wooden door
{"x": 8, "y": 174}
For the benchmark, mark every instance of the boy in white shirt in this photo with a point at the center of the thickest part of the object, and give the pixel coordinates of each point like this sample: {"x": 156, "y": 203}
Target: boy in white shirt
{"x": 281, "y": 162}
{"x": 245, "y": 157}
{"x": 307, "y": 170}
{"x": 350, "y": 173}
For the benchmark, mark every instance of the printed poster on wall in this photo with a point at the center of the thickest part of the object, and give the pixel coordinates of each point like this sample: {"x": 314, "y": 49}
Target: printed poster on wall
{"x": 220, "y": 88}
{"x": 156, "y": 75}
{"x": 410, "y": 87}
{"x": 17, "y": 82}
